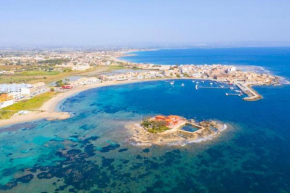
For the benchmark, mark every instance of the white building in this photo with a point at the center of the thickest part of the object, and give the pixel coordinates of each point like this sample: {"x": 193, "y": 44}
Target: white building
{"x": 81, "y": 67}
{"x": 9, "y": 88}
{"x": 23, "y": 90}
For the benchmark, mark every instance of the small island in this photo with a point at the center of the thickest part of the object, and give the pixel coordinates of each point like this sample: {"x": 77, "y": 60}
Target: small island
{"x": 173, "y": 130}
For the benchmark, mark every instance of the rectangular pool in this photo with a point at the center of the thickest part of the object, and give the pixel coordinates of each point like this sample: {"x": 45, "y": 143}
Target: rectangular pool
{"x": 189, "y": 128}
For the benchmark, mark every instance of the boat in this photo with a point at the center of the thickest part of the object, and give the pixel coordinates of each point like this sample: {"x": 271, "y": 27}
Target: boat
{"x": 210, "y": 83}
{"x": 196, "y": 87}
{"x": 182, "y": 84}
{"x": 193, "y": 81}
{"x": 222, "y": 86}
{"x": 232, "y": 88}
{"x": 172, "y": 82}
{"x": 227, "y": 94}
{"x": 202, "y": 81}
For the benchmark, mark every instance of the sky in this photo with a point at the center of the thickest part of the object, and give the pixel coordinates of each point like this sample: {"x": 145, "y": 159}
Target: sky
{"x": 136, "y": 22}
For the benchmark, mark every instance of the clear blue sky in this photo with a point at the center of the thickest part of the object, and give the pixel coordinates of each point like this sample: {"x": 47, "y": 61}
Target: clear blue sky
{"x": 108, "y": 22}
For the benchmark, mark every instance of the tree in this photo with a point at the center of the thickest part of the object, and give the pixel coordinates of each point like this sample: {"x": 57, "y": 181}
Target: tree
{"x": 158, "y": 124}
{"x": 146, "y": 122}
{"x": 59, "y": 83}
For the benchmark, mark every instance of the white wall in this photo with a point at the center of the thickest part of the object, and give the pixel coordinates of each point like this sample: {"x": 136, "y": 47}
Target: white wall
{"x": 25, "y": 91}
{"x": 6, "y": 103}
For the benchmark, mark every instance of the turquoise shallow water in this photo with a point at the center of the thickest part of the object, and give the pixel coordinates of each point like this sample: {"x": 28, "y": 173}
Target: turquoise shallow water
{"x": 90, "y": 152}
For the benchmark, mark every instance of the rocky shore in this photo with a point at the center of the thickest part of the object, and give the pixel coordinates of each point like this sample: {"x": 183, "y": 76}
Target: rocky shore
{"x": 140, "y": 136}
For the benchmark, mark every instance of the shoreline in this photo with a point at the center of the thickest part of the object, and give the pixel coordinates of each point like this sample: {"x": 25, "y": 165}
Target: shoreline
{"x": 48, "y": 109}
{"x": 140, "y": 136}
{"x": 127, "y": 54}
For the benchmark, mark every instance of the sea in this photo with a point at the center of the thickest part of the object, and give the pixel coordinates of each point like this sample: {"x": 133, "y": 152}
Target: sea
{"x": 92, "y": 151}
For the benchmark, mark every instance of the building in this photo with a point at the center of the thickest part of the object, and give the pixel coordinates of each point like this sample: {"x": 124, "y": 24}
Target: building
{"x": 74, "y": 66}
{"x": 81, "y": 67}
{"x": 25, "y": 90}
{"x": 6, "y": 97}
{"x": 35, "y": 89}
{"x": 170, "y": 120}
{"x": 9, "y": 88}
{"x": 67, "y": 86}
{"x": 84, "y": 81}
{"x": 5, "y": 72}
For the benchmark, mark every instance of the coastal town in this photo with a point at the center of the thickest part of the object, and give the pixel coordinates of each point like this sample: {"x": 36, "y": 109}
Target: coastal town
{"x": 86, "y": 65}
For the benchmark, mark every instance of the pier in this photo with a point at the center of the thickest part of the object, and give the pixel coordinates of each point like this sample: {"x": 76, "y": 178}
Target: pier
{"x": 248, "y": 90}
{"x": 213, "y": 87}
{"x": 233, "y": 94}
{"x": 245, "y": 89}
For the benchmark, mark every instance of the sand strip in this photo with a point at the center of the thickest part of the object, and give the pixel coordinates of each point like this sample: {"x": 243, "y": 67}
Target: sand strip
{"x": 48, "y": 109}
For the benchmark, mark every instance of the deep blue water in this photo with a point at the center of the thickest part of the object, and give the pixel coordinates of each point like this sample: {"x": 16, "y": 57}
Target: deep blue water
{"x": 277, "y": 60}
{"x": 91, "y": 151}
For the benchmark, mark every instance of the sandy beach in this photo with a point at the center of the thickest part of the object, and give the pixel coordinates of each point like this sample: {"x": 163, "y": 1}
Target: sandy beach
{"x": 48, "y": 109}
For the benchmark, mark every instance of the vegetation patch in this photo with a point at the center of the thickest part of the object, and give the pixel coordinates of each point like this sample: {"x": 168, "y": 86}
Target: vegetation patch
{"x": 54, "y": 61}
{"x": 29, "y": 104}
{"x": 39, "y": 73}
{"x": 154, "y": 126}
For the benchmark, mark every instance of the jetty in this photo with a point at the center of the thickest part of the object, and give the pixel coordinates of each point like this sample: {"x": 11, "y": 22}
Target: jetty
{"x": 213, "y": 87}
{"x": 248, "y": 90}
{"x": 245, "y": 88}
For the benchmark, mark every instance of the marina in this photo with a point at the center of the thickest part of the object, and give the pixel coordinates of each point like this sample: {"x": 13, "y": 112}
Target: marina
{"x": 244, "y": 88}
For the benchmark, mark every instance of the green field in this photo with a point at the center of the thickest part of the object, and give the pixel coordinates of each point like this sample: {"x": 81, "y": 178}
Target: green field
{"x": 30, "y": 104}
{"x": 35, "y": 76}
{"x": 39, "y": 73}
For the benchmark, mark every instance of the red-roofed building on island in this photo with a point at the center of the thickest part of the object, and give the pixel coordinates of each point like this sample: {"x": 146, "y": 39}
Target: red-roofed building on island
{"x": 170, "y": 120}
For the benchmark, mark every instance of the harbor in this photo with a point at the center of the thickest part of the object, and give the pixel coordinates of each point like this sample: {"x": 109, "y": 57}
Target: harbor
{"x": 244, "y": 88}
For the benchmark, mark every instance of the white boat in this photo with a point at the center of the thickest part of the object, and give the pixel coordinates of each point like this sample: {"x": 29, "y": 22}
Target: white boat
{"x": 232, "y": 88}
{"x": 193, "y": 81}
{"x": 182, "y": 84}
{"x": 202, "y": 81}
{"x": 196, "y": 87}
{"x": 210, "y": 83}
{"x": 222, "y": 86}
{"x": 172, "y": 82}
